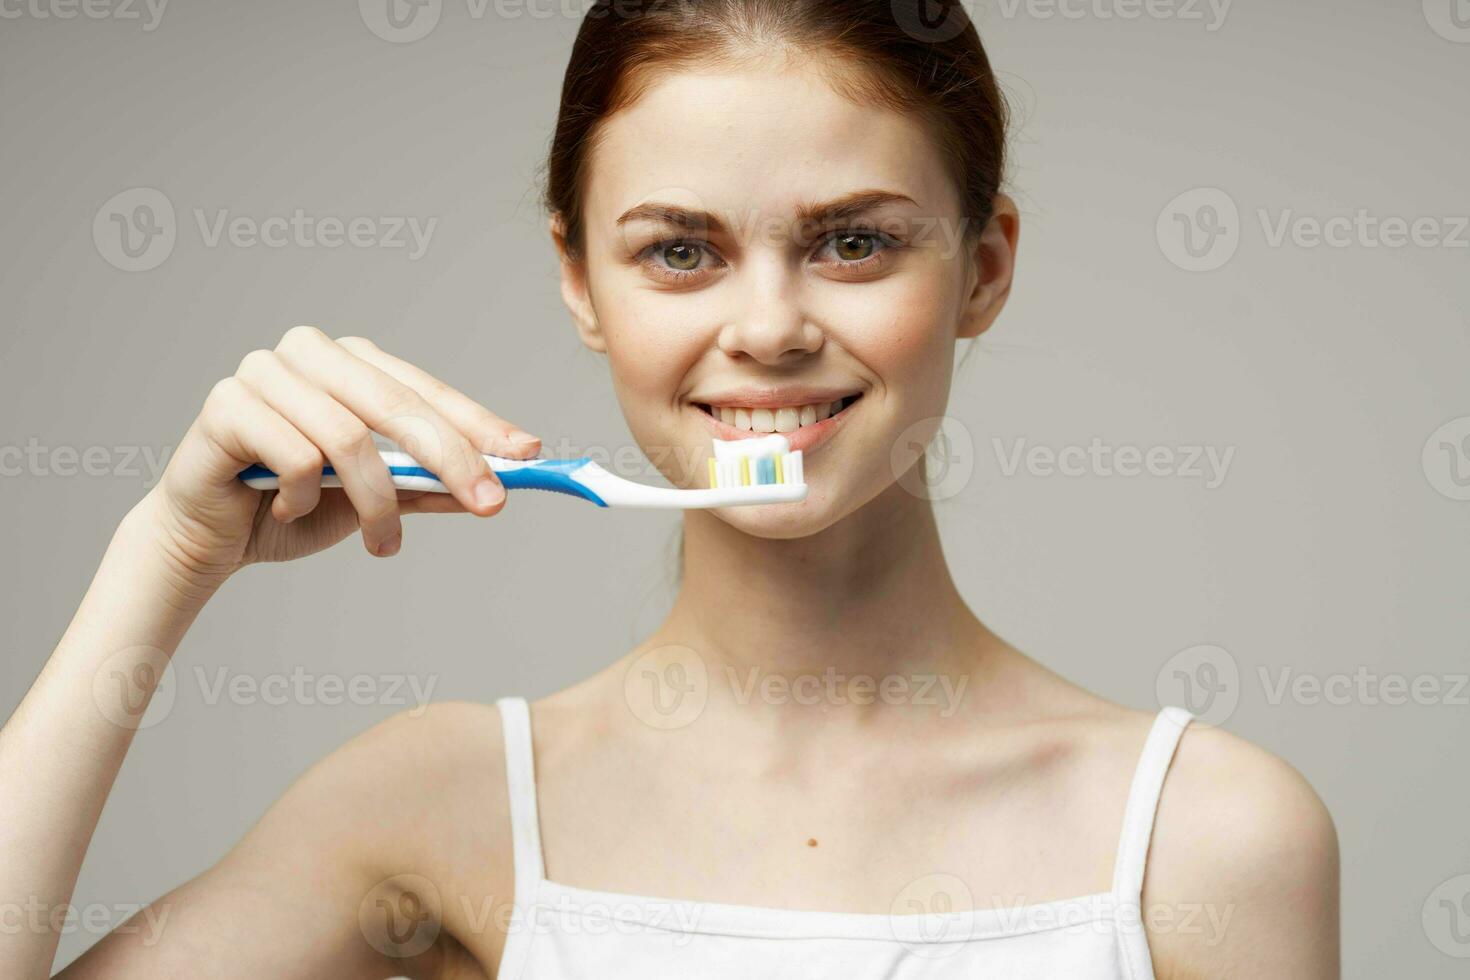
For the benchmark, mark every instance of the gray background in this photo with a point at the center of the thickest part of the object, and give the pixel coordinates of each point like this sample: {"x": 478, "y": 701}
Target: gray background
{"x": 1327, "y": 550}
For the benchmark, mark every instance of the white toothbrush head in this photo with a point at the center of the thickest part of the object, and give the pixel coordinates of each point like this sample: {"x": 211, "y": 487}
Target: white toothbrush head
{"x": 742, "y": 472}
{"x": 763, "y": 461}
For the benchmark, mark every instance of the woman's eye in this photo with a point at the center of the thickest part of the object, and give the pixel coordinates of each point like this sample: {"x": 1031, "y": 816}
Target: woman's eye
{"x": 858, "y": 249}
{"x": 684, "y": 260}
{"x": 682, "y": 256}
{"x": 854, "y": 247}
{"x": 678, "y": 260}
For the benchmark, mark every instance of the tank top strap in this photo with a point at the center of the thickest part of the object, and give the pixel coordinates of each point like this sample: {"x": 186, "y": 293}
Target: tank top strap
{"x": 520, "y": 778}
{"x": 1143, "y": 802}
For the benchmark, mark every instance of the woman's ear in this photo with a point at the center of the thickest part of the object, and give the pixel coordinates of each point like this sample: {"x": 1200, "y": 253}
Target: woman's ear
{"x": 992, "y": 268}
{"x": 574, "y": 291}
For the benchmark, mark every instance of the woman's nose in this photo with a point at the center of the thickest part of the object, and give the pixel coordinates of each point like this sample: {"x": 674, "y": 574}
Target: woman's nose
{"x": 773, "y": 327}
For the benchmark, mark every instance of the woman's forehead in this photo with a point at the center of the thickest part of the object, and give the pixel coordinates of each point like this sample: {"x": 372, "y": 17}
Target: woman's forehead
{"x": 757, "y": 141}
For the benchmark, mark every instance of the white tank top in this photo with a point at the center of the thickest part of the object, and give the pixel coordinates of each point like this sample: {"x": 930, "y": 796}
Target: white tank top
{"x": 558, "y": 932}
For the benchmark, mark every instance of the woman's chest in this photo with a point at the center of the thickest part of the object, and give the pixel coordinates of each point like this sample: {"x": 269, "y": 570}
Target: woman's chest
{"x": 862, "y": 838}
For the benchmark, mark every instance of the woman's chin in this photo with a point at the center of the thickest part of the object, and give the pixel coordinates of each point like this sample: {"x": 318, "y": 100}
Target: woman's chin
{"x": 783, "y": 522}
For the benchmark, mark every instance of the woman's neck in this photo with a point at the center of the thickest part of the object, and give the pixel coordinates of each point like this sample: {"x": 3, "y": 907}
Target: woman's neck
{"x": 869, "y": 597}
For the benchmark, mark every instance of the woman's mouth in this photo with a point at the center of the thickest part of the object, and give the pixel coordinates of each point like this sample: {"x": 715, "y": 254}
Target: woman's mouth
{"x": 805, "y": 426}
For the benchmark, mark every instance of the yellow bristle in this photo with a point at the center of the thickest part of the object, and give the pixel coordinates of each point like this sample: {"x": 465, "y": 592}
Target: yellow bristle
{"x": 745, "y": 471}
{"x": 714, "y": 480}
{"x": 780, "y": 477}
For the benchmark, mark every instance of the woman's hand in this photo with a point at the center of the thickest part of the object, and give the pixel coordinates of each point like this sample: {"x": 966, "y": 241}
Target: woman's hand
{"x": 311, "y": 402}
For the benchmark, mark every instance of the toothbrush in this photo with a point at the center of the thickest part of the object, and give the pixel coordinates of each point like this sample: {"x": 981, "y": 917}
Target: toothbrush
{"x": 741, "y": 472}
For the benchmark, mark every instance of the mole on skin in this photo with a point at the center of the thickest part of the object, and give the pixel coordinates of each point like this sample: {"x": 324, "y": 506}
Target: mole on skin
{"x": 811, "y": 842}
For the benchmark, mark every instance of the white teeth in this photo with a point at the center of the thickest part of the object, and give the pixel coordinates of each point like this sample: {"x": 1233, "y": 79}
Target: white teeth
{"x": 785, "y": 419}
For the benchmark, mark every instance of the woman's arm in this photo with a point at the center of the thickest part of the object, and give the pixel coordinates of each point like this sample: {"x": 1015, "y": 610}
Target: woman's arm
{"x": 311, "y": 401}
{"x": 61, "y": 750}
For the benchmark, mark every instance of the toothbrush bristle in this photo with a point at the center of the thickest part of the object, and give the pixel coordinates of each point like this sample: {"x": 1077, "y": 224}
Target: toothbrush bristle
{"x": 754, "y": 462}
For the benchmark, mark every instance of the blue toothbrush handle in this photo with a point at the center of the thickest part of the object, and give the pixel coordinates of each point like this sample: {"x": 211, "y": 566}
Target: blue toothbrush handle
{"x": 556, "y": 475}
{"x": 552, "y": 474}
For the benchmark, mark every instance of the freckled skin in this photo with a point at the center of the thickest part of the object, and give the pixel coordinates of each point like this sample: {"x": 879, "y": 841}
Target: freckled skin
{"x": 769, "y": 313}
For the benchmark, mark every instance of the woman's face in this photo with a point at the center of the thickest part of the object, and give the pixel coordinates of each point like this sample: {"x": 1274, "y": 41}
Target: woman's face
{"x": 733, "y": 298}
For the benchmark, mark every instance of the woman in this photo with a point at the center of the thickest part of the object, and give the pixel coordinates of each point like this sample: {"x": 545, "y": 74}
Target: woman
{"x": 770, "y": 214}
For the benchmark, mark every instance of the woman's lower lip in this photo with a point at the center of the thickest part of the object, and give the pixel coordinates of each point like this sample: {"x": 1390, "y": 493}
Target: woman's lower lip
{"x": 804, "y": 439}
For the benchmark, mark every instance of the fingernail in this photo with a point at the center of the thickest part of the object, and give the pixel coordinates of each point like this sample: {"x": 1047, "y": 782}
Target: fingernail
{"x": 522, "y": 437}
{"x": 489, "y": 493}
{"x": 390, "y": 547}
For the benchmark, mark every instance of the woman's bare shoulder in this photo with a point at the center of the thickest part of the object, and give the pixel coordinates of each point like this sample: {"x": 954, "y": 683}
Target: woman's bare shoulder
{"x": 448, "y": 750}
{"x": 1227, "y": 805}
{"x": 1244, "y": 851}
{"x": 393, "y": 797}
{"x": 424, "y": 796}
{"x": 408, "y": 814}
{"x": 1242, "y": 870}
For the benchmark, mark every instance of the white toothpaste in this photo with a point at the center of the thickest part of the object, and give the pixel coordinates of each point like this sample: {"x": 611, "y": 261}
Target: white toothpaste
{"x": 774, "y": 444}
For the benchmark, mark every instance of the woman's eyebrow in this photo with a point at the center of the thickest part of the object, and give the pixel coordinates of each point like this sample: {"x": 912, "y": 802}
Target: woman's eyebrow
{"x": 849, "y": 206}
{"x": 842, "y": 208}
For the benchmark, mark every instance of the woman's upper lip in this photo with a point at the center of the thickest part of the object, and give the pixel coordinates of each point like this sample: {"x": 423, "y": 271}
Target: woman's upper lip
{"x": 772, "y": 397}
